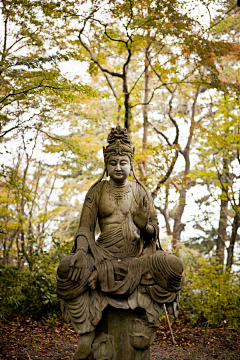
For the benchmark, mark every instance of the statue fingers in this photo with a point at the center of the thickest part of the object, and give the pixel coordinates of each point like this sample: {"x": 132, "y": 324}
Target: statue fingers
{"x": 70, "y": 272}
{"x": 81, "y": 273}
{"x": 78, "y": 274}
{"x": 75, "y": 272}
{"x": 72, "y": 261}
{"x": 93, "y": 284}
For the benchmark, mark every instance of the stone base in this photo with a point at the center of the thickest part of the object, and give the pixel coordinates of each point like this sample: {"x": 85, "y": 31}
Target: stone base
{"x": 123, "y": 335}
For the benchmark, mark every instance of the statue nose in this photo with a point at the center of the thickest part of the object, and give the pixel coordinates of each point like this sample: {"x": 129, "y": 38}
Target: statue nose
{"x": 118, "y": 167}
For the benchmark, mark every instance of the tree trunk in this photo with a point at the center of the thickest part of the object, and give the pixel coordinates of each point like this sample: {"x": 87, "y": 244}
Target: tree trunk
{"x": 145, "y": 106}
{"x": 230, "y": 250}
{"x": 127, "y": 110}
{"x": 235, "y": 226}
{"x": 222, "y": 231}
{"x": 178, "y": 226}
{"x": 222, "y": 226}
{"x": 165, "y": 211}
{"x": 142, "y": 164}
{"x": 127, "y": 116}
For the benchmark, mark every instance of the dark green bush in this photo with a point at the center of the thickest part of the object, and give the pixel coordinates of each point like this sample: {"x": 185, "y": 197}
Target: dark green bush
{"x": 33, "y": 292}
{"x": 28, "y": 293}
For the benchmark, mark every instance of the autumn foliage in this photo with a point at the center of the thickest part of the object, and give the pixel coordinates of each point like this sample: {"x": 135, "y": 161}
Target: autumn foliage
{"x": 69, "y": 71}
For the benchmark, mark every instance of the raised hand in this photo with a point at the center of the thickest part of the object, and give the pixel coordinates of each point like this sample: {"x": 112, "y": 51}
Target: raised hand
{"x": 141, "y": 216}
{"x": 78, "y": 264}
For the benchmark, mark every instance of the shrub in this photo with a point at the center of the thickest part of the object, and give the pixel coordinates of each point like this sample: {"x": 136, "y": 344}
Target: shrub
{"x": 33, "y": 292}
{"x": 28, "y": 293}
{"x": 211, "y": 296}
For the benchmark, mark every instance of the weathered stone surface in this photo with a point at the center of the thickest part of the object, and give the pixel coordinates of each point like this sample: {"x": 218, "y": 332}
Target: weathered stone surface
{"x": 113, "y": 288}
{"x": 123, "y": 334}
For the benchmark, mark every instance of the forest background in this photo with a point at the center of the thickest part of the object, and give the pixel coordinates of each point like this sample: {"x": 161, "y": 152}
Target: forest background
{"x": 166, "y": 70}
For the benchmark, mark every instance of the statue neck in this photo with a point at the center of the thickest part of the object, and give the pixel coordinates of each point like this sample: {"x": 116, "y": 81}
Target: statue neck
{"x": 120, "y": 183}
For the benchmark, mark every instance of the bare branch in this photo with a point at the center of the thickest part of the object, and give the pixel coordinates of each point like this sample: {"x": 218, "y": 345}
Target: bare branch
{"x": 114, "y": 94}
{"x": 185, "y": 152}
{"x": 16, "y": 42}
{"x": 166, "y": 176}
{"x": 150, "y": 99}
{"x": 171, "y": 117}
{"x": 157, "y": 74}
{"x": 93, "y": 58}
{"x": 17, "y": 126}
{"x": 160, "y": 133}
{"x": 109, "y": 36}
{"x": 110, "y": 85}
{"x": 223, "y": 17}
{"x": 5, "y": 38}
{"x": 40, "y": 85}
{"x": 34, "y": 198}
{"x": 135, "y": 84}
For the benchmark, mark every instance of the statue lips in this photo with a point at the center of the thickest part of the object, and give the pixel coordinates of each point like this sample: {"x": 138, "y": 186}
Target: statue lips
{"x": 118, "y": 173}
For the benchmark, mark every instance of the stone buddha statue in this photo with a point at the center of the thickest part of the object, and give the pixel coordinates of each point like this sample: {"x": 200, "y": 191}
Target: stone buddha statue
{"x": 124, "y": 268}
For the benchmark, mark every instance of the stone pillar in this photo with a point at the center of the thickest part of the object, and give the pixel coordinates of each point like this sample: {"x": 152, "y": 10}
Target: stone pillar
{"x": 123, "y": 335}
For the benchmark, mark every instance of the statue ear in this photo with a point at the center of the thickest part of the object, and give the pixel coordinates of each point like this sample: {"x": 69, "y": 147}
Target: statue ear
{"x": 132, "y": 162}
{"x": 104, "y": 149}
{"x": 106, "y": 170}
{"x": 131, "y": 170}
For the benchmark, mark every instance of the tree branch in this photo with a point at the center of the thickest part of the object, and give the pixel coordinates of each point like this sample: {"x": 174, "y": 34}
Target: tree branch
{"x": 5, "y": 38}
{"x": 150, "y": 99}
{"x": 112, "y": 73}
{"x": 172, "y": 119}
{"x": 15, "y": 42}
{"x": 166, "y": 176}
{"x": 223, "y": 18}
{"x": 158, "y": 75}
{"x": 161, "y": 133}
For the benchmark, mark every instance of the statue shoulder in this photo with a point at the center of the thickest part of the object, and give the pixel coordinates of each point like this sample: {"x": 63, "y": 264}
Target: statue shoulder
{"x": 139, "y": 190}
{"x": 94, "y": 191}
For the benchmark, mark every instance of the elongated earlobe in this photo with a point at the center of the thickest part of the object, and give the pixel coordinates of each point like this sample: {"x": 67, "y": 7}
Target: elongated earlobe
{"x": 106, "y": 172}
{"x": 131, "y": 170}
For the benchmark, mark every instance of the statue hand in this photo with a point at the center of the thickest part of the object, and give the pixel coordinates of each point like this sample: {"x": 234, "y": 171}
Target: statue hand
{"x": 78, "y": 264}
{"x": 141, "y": 217}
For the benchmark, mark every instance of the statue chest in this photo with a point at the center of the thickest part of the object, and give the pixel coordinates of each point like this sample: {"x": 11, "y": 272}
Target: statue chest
{"x": 114, "y": 202}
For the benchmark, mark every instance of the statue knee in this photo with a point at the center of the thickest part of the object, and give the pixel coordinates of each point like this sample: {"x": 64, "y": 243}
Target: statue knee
{"x": 166, "y": 269}
{"x": 64, "y": 267}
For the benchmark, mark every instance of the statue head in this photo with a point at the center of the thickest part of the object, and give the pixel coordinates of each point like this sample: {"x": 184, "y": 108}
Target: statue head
{"x": 119, "y": 143}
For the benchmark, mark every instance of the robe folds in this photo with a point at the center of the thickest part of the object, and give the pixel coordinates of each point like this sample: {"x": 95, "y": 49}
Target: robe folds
{"x": 131, "y": 272}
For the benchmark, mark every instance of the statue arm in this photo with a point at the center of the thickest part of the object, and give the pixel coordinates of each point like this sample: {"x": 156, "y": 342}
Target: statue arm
{"x": 84, "y": 238}
{"x": 88, "y": 219}
{"x": 153, "y": 220}
{"x": 152, "y": 230}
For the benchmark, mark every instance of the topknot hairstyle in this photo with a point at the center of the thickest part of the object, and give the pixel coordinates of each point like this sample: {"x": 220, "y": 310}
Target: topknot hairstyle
{"x": 119, "y": 144}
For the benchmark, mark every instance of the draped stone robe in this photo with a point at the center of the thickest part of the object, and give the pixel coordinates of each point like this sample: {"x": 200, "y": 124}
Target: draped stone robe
{"x": 131, "y": 273}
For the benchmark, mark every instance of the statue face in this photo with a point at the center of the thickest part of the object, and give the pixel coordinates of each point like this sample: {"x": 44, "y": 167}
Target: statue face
{"x": 118, "y": 167}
